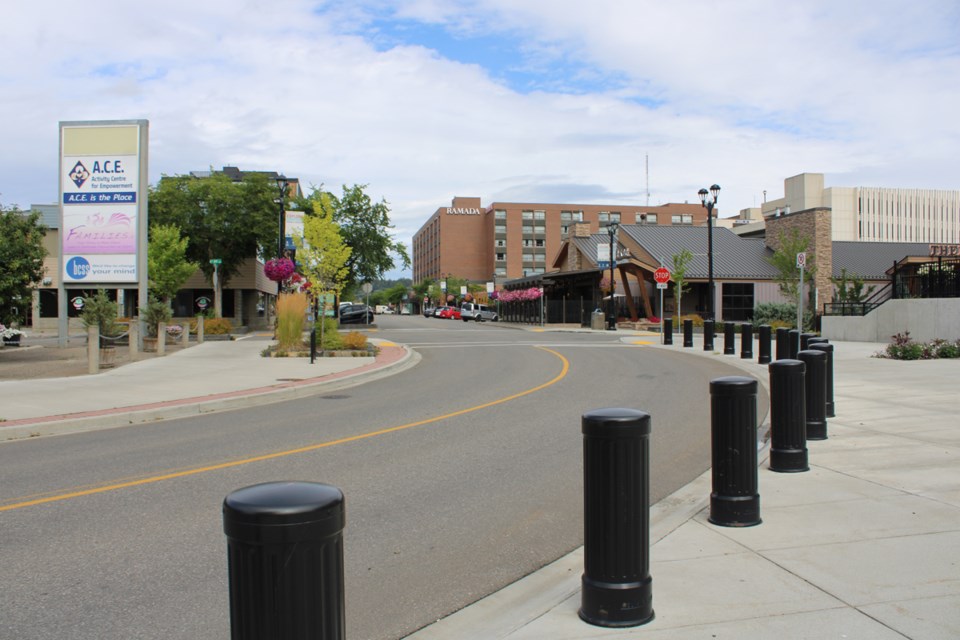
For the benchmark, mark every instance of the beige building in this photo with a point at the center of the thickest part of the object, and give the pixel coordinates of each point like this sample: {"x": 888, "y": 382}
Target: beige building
{"x": 874, "y": 214}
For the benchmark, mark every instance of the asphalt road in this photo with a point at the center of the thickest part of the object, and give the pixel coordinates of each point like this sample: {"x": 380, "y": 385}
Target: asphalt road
{"x": 461, "y": 476}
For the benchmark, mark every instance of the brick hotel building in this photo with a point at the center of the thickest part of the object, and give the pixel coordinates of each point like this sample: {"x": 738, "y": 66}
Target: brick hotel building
{"x": 507, "y": 240}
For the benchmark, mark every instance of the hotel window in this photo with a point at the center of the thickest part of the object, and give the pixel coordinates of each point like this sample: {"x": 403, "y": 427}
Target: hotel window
{"x": 539, "y": 215}
{"x": 539, "y": 257}
{"x": 528, "y": 243}
{"x": 528, "y": 257}
{"x": 615, "y": 216}
{"x": 527, "y": 215}
{"x": 501, "y": 257}
{"x": 527, "y": 228}
{"x": 603, "y": 216}
{"x": 538, "y": 243}
{"x": 646, "y": 218}
{"x": 571, "y": 216}
{"x": 500, "y": 228}
{"x": 500, "y": 214}
{"x": 500, "y": 243}
{"x": 682, "y": 219}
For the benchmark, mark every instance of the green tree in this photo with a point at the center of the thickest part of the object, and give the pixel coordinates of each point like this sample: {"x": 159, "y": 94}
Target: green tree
{"x": 167, "y": 261}
{"x": 395, "y": 294}
{"x": 679, "y": 275}
{"x": 322, "y": 254}
{"x": 365, "y": 228}
{"x": 784, "y": 260}
{"x": 850, "y": 288}
{"x": 225, "y": 220}
{"x": 21, "y": 261}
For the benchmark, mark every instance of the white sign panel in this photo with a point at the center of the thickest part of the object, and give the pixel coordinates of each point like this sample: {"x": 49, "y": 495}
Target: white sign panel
{"x": 99, "y": 233}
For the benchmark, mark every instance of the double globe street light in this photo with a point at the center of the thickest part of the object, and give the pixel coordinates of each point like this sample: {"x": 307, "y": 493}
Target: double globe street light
{"x": 612, "y": 318}
{"x": 706, "y": 202}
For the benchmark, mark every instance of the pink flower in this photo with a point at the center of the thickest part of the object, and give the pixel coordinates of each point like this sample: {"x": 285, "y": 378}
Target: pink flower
{"x": 279, "y": 269}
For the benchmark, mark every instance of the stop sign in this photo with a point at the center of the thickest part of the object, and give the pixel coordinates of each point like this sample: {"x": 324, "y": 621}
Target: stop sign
{"x": 662, "y": 275}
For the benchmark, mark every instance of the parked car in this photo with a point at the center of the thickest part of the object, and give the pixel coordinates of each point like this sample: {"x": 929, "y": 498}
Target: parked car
{"x": 436, "y": 311}
{"x": 450, "y": 313}
{"x": 478, "y": 312}
{"x": 428, "y": 312}
{"x": 356, "y": 314}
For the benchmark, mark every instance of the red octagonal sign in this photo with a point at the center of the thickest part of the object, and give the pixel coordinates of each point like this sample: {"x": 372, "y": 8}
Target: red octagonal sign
{"x": 662, "y": 275}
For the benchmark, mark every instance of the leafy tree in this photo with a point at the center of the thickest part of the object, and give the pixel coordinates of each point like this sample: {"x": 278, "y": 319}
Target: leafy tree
{"x": 365, "y": 227}
{"x": 322, "y": 253}
{"x": 167, "y": 263}
{"x": 679, "y": 275}
{"x": 851, "y": 289}
{"x": 226, "y": 220}
{"x": 21, "y": 261}
{"x": 101, "y": 312}
{"x": 396, "y": 293}
{"x": 784, "y": 260}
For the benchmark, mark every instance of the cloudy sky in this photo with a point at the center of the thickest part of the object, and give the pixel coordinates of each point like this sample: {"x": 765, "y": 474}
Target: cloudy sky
{"x": 509, "y": 100}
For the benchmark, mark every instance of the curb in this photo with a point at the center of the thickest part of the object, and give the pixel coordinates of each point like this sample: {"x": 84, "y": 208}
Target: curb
{"x": 188, "y": 407}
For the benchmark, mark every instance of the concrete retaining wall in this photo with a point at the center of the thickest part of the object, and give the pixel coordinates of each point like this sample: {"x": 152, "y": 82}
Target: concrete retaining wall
{"x": 926, "y": 320}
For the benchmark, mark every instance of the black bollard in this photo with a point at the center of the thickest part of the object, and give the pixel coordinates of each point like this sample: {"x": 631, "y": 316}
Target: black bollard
{"x": 788, "y": 417}
{"x": 668, "y": 331}
{"x": 816, "y": 340}
{"x": 794, "y": 335}
{"x": 708, "y": 327}
{"x": 783, "y": 343}
{"x": 285, "y": 558}
{"x": 688, "y": 333}
{"x": 729, "y": 339}
{"x": 313, "y": 344}
{"x": 616, "y": 584}
{"x": 816, "y": 392}
{"x": 763, "y": 355}
{"x": 734, "y": 501}
{"x": 746, "y": 341}
{"x": 831, "y": 409}
{"x": 805, "y": 340}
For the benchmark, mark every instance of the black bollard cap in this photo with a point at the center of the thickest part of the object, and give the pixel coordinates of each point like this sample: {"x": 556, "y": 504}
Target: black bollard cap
{"x": 813, "y": 355}
{"x": 821, "y": 346}
{"x": 788, "y": 367}
{"x": 283, "y": 512}
{"x": 615, "y": 422}
{"x": 733, "y": 385}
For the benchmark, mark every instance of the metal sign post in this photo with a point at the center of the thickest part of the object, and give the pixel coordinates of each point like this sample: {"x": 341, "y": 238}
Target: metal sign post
{"x": 662, "y": 276}
{"x": 801, "y": 262}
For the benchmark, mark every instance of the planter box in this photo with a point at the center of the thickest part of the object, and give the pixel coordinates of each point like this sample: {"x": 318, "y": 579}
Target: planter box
{"x": 12, "y": 342}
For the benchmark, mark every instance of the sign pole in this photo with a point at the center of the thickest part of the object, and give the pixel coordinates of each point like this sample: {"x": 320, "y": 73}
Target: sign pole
{"x": 801, "y": 262}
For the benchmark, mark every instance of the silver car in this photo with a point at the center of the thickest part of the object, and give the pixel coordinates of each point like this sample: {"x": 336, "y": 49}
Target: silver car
{"x": 478, "y": 312}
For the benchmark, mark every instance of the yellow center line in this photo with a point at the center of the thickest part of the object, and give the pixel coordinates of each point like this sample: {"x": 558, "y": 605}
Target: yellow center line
{"x": 282, "y": 454}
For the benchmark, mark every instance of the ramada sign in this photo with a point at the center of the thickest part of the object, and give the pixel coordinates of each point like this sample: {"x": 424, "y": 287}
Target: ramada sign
{"x": 462, "y": 211}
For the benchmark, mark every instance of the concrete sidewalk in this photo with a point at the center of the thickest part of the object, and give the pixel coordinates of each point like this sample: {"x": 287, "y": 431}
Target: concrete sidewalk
{"x": 864, "y": 545}
{"x": 213, "y": 376}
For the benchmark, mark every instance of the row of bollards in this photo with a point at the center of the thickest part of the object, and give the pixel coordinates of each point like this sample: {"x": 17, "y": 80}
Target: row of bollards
{"x": 285, "y": 539}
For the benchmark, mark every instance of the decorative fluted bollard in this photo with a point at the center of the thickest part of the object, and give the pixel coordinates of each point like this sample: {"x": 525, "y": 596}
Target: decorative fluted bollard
{"x": 688, "y": 333}
{"x": 805, "y": 339}
{"x": 788, "y": 417}
{"x": 830, "y": 409}
{"x": 735, "y": 500}
{"x": 763, "y": 345}
{"x": 668, "y": 331}
{"x": 794, "y": 335}
{"x": 783, "y": 343}
{"x": 285, "y": 553}
{"x": 708, "y": 327}
{"x": 729, "y": 339}
{"x": 616, "y": 584}
{"x": 816, "y": 392}
{"x": 746, "y": 341}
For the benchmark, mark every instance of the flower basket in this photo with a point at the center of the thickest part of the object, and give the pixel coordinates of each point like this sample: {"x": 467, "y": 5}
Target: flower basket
{"x": 11, "y": 337}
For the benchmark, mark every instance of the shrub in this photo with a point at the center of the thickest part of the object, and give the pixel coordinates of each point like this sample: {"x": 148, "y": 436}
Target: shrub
{"x": 100, "y": 311}
{"x": 217, "y": 326}
{"x": 154, "y": 313}
{"x": 944, "y": 349}
{"x": 291, "y": 310}
{"x": 331, "y": 340}
{"x": 354, "y": 340}
{"x": 697, "y": 320}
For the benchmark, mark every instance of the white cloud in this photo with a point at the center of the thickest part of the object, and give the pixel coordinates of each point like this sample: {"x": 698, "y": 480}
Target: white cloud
{"x": 742, "y": 93}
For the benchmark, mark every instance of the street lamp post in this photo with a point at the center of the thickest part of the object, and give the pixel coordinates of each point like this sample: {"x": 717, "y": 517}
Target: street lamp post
{"x": 706, "y": 202}
{"x": 612, "y": 318}
{"x": 282, "y": 186}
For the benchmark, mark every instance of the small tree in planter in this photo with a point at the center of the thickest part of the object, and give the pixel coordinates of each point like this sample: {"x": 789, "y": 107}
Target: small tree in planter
{"x": 153, "y": 314}
{"x": 101, "y": 312}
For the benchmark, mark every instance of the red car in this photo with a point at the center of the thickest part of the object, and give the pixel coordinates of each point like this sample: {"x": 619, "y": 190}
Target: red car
{"x": 450, "y": 313}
